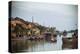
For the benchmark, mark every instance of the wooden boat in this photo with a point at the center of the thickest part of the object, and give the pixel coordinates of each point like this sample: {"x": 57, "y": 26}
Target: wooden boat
{"x": 70, "y": 42}
{"x": 53, "y": 39}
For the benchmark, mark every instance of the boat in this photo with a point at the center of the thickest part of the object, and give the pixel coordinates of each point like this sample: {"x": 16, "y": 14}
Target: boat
{"x": 53, "y": 39}
{"x": 70, "y": 42}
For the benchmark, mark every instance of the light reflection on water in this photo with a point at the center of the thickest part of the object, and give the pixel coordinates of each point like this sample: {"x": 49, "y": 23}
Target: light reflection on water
{"x": 36, "y": 45}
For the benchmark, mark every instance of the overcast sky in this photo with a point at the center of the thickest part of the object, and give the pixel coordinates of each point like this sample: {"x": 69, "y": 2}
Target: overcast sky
{"x": 61, "y": 16}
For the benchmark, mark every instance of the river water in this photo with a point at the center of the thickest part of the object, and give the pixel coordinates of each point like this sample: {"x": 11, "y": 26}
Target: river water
{"x": 36, "y": 45}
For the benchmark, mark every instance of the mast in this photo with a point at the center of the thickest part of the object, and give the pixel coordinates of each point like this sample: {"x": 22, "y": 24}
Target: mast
{"x": 32, "y": 19}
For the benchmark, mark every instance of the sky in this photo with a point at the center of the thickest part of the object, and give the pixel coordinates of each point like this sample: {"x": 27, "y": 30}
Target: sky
{"x": 61, "y": 16}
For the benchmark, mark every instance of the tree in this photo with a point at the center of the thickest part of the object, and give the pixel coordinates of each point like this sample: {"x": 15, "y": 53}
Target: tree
{"x": 64, "y": 33}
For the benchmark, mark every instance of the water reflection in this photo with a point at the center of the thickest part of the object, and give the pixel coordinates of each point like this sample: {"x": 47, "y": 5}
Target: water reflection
{"x": 59, "y": 42}
{"x": 36, "y": 45}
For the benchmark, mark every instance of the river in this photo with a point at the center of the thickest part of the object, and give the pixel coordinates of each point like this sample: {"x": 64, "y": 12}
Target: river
{"x": 36, "y": 45}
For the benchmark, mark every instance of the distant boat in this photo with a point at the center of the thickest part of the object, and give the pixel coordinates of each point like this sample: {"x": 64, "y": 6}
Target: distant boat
{"x": 53, "y": 39}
